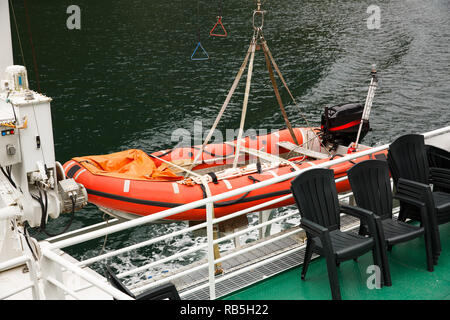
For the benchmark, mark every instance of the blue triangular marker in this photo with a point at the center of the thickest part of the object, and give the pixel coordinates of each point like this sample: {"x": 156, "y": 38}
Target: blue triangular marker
{"x": 199, "y": 45}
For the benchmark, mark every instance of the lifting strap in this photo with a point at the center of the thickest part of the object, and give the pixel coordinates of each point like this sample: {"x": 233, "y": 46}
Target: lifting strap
{"x": 277, "y": 94}
{"x": 266, "y": 50}
{"x": 246, "y": 96}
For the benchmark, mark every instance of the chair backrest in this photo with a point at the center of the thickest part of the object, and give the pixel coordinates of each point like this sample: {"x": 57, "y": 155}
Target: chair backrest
{"x": 407, "y": 158}
{"x": 438, "y": 157}
{"x": 116, "y": 283}
{"x": 371, "y": 186}
{"x": 316, "y": 197}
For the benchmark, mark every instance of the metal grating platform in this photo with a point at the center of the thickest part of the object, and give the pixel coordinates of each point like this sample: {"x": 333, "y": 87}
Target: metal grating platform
{"x": 291, "y": 260}
{"x": 292, "y": 247}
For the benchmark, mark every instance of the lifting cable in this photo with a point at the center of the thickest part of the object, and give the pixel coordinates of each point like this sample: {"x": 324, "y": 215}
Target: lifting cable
{"x": 219, "y": 23}
{"x": 17, "y": 32}
{"x": 32, "y": 46}
{"x": 199, "y": 44}
{"x": 277, "y": 95}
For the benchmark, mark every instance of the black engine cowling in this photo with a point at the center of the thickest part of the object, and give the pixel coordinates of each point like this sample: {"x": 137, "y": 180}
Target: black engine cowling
{"x": 340, "y": 124}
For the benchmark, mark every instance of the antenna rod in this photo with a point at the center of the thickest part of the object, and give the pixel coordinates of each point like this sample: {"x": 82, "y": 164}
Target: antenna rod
{"x": 368, "y": 106}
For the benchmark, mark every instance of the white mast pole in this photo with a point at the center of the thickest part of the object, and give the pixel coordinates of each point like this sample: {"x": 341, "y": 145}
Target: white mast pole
{"x": 368, "y": 106}
{"x": 6, "y": 52}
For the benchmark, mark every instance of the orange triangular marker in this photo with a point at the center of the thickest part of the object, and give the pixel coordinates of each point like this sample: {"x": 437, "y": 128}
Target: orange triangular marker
{"x": 219, "y": 22}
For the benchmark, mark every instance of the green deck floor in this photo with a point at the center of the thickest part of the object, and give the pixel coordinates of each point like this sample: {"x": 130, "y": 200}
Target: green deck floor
{"x": 410, "y": 278}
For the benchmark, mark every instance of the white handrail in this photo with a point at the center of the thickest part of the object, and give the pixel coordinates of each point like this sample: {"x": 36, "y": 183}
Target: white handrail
{"x": 13, "y": 262}
{"x": 85, "y": 275}
{"x": 140, "y": 245}
{"x": 47, "y": 251}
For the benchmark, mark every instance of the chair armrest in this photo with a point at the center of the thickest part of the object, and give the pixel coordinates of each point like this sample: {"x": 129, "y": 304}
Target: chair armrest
{"x": 440, "y": 177}
{"x": 363, "y": 215}
{"x": 418, "y": 204}
{"x": 162, "y": 292}
{"x": 319, "y": 231}
{"x": 415, "y": 194}
{"x": 357, "y": 212}
{"x": 411, "y": 192}
{"x": 312, "y": 227}
{"x": 413, "y": 184}
{"x": 413, "y": 189}
{"x": 409, "y": 200}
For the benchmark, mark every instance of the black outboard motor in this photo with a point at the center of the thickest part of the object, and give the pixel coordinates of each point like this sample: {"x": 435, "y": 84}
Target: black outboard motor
{"x": 340, "y": 124}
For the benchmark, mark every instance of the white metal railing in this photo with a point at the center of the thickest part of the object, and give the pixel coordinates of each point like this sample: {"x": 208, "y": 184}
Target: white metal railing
{"x": 33, "y": 283}
{"x": 211, "y": 261}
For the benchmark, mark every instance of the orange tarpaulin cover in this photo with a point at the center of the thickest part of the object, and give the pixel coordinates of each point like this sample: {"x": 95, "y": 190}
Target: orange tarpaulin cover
{"x": 128, "y": 164}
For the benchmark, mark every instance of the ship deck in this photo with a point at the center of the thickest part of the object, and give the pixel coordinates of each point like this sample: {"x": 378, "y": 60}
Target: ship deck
{"x": 410, "y": 279}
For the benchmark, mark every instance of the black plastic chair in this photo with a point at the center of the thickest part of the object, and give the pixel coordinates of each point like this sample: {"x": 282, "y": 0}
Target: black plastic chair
{"x": 371, "y": 187}
{"x": 165, "y": 291}
{"x": 317, "y": 200}
{"x": 412, "y": 175}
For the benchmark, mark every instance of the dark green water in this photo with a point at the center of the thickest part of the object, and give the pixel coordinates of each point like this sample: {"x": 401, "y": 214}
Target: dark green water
{"x": 125, "y": 80}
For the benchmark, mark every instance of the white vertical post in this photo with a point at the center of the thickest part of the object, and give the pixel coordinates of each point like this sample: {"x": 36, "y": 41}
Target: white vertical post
{"x": 237, "y": 241}
{"x": 210, "y": 237}
{"x": 52, "y": 269}
{"x": 6, "y": 53}
{"x": 32, "y": 269}
{"x": 265, "y": 216}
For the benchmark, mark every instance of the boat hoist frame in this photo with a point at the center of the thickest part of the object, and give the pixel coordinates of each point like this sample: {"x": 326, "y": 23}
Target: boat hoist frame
{"x": 257, "y": 42}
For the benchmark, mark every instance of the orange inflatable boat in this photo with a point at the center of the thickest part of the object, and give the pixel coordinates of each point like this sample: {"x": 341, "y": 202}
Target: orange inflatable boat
{"x": 133, "y": 183}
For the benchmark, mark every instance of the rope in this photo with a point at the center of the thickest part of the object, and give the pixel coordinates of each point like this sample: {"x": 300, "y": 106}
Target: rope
{"x": 176, "y": 166}
{"x": 105, "y": 218}
{"x": 301, "y": 145}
